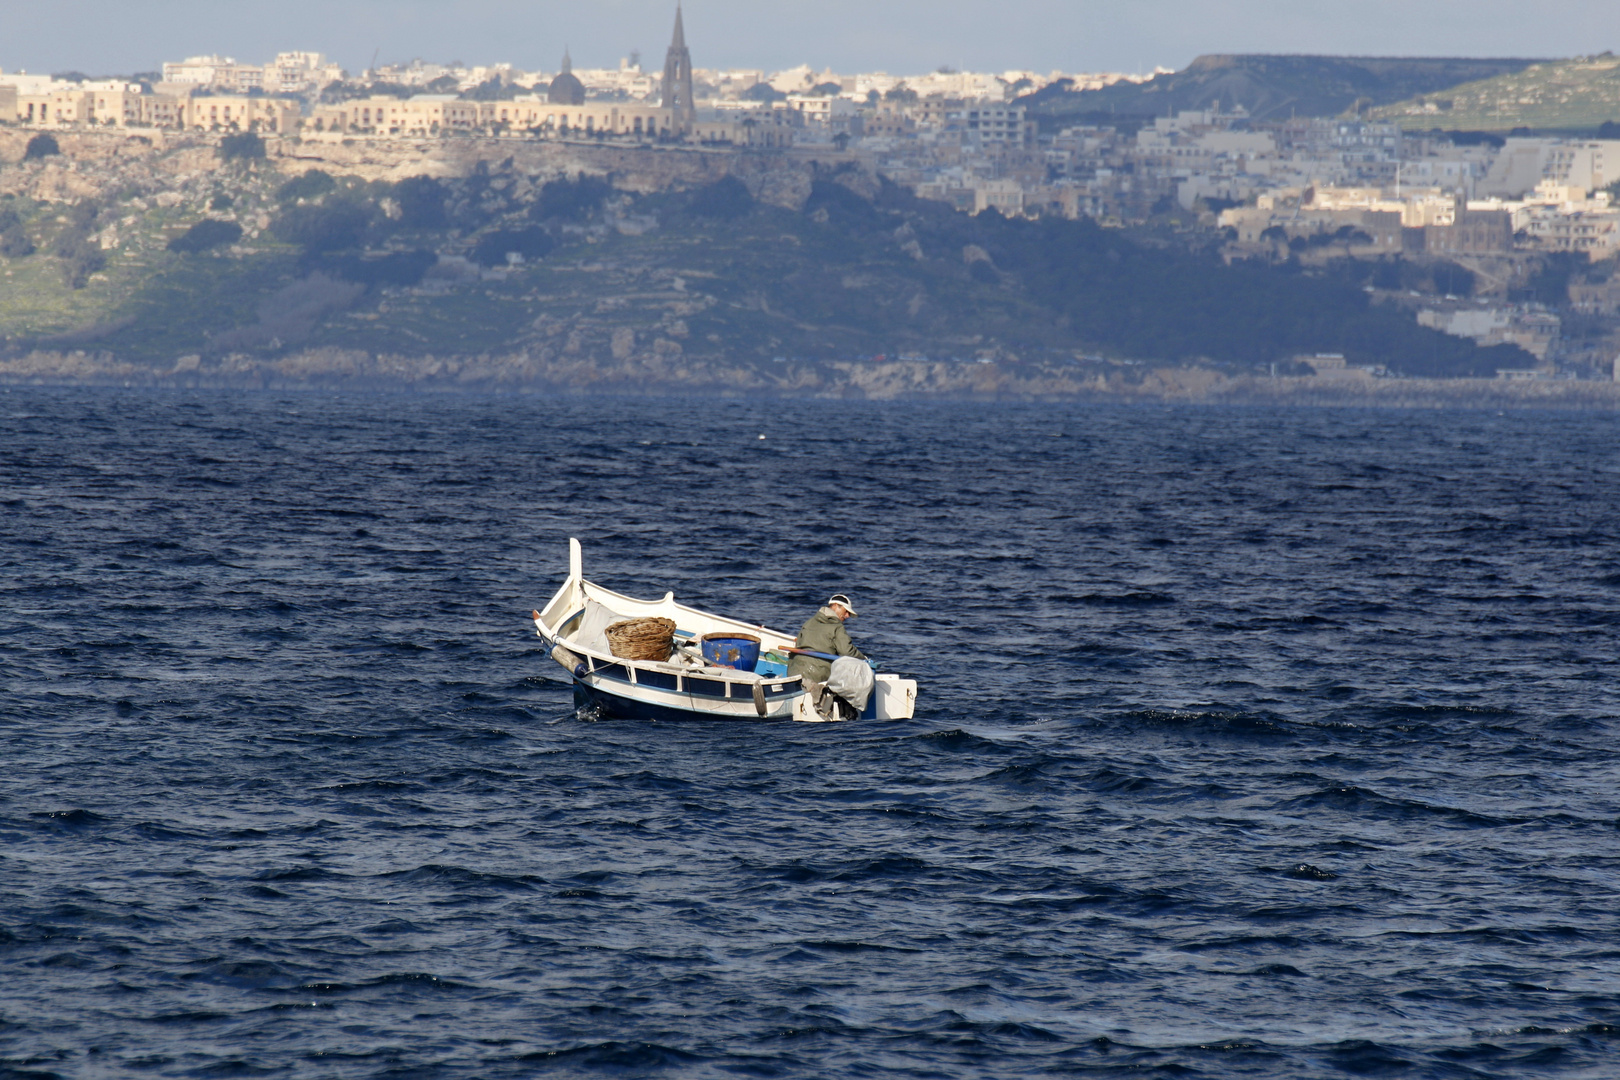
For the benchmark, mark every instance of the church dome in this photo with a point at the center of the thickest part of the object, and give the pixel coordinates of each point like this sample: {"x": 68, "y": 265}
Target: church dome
{"x": 566, "y": 89}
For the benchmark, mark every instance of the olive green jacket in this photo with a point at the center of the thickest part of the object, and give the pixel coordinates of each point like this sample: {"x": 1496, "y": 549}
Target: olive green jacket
{"x": 822, "y": 632}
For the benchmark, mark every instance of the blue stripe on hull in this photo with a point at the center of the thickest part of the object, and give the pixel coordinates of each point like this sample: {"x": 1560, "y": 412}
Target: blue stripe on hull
{"x": 613, "y": 707}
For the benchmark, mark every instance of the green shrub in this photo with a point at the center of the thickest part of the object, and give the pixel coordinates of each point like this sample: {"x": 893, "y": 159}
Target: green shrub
{"x": 245, "y": 146}
{"x": 725, "y": 199}
{"x": 80, "y": 257}
{"x": 421, "y": 202}
{"x": 401, "y": 268}
{"x": 765, "y": 92}
{"x": 206, "y": 235}
{"x": 571, "y": 200}
{"x": 15, "y": 244}
{"x": 82, "y": 215}
{"x": 332, "y": 226}
{"x": 311, "y": 185}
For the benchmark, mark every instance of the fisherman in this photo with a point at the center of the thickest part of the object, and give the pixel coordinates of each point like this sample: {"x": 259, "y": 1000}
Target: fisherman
{"x": 823, "y": 632}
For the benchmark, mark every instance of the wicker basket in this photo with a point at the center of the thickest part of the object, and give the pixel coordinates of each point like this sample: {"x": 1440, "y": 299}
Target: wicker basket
{"x": 642, "y": 639}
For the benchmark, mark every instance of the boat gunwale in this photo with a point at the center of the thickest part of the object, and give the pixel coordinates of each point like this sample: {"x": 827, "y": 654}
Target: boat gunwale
{"x": 555, "y": 637}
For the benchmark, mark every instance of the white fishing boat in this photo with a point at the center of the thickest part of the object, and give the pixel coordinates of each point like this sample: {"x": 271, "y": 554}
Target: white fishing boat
{"x": 688, "y": 685}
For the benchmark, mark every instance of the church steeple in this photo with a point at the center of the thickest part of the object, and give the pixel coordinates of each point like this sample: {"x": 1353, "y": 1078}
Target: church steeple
{"x": 678, "y": 77}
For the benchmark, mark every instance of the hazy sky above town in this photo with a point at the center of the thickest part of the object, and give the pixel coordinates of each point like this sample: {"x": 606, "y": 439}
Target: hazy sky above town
{"x": 116, "y": 36}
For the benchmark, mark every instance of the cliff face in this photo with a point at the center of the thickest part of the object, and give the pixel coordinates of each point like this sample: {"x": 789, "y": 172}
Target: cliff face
{"x": 779, "y": 179}
{"x": 99, "y": 165}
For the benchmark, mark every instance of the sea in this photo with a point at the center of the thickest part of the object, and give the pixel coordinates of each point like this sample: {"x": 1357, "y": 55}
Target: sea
{"x": 1249, "y": 742}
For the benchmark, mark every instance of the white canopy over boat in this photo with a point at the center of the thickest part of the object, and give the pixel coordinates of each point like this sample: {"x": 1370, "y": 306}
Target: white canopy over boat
{"x": 573, "y": 626}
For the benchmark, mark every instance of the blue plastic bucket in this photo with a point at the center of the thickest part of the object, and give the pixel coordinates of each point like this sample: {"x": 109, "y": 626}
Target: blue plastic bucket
{"x": 740, "y": 651}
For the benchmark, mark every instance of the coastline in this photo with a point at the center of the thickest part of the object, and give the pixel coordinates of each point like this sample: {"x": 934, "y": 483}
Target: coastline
{"x": 528, "y": 372}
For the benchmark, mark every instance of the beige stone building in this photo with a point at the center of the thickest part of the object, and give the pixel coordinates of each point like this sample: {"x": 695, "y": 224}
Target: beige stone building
{"x": 590, "y": 118}
{"x": 114, "y": 108}
{"x": 61, "y": 106}
{"x": 1373, "y": 232}
{"x": 424, "y": 114}
{"x": 433, "y": 114}
{"x": 110, "y": 103}
{"x": 126, "y": 107}
{"x": 53, "y": 108}
{"x": 163, "y": 110}
{"x": 767, "y": 130}
{"x": 223, "y": 112}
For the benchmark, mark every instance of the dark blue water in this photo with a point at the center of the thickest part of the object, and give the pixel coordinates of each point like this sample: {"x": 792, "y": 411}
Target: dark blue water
{"x": 1249, "y": 743}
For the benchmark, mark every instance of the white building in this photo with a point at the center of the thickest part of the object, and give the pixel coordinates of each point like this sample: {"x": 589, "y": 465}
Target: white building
{"x": 994, "y": 123}
{"x": 296, "y": 72}
{"x": 731, "y": 83}
{"x": 980, "y": 86}
{"x": 1524, "y": 163}
{"x": 823, "y": 110}
{"x": 626, "y": 79}
{"x": 1588, "y": 165}
{"x": 218, "y": 72}
{"x": 24, "y": 83}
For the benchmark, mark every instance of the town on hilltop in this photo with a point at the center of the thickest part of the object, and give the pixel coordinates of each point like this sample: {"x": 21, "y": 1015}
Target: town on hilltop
{"x": 1504, "y": 237}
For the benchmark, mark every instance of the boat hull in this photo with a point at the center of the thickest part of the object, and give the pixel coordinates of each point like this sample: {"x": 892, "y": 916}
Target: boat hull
{"x": 604, "y": 705}
{"x": 893, "y": 699}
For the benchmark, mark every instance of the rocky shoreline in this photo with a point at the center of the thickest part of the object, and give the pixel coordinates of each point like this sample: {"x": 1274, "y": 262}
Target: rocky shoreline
{"x": 332, "y": 369}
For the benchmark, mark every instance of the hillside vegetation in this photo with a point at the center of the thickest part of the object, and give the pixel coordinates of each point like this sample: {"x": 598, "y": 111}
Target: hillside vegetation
{"x": 1268, "y": 87}
{"x": 577, "y": 270}
{"x": 1578, "y": 94}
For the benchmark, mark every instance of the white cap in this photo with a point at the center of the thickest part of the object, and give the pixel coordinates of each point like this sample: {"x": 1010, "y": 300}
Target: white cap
{"x": 842, "y": 601}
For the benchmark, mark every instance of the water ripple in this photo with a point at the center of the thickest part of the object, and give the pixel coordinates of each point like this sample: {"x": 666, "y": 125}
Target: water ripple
{"x": 1249, "y": 744}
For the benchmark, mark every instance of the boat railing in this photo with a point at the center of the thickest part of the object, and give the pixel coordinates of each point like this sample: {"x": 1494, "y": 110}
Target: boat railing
{"x": 598, "y": 662}
{"x": 656, "y": 672}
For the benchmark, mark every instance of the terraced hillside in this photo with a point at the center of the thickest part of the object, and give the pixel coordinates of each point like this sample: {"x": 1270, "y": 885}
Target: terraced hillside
{"x": 1269, "y": 87}
{"x": 1559, "y": 95}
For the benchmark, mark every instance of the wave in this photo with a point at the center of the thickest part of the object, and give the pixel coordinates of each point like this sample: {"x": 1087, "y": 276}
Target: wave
{"x": 461, "y": 877}
{"x": 401, "y": 982}
{"x": 611, "y": 1057}
{"x": 1138, "y": 598}
{"x": 69, "y": 821}
{"x": 1219, "y": 722}
{"x": 1350, "y": 797}
{"x": 848, "y": 947}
